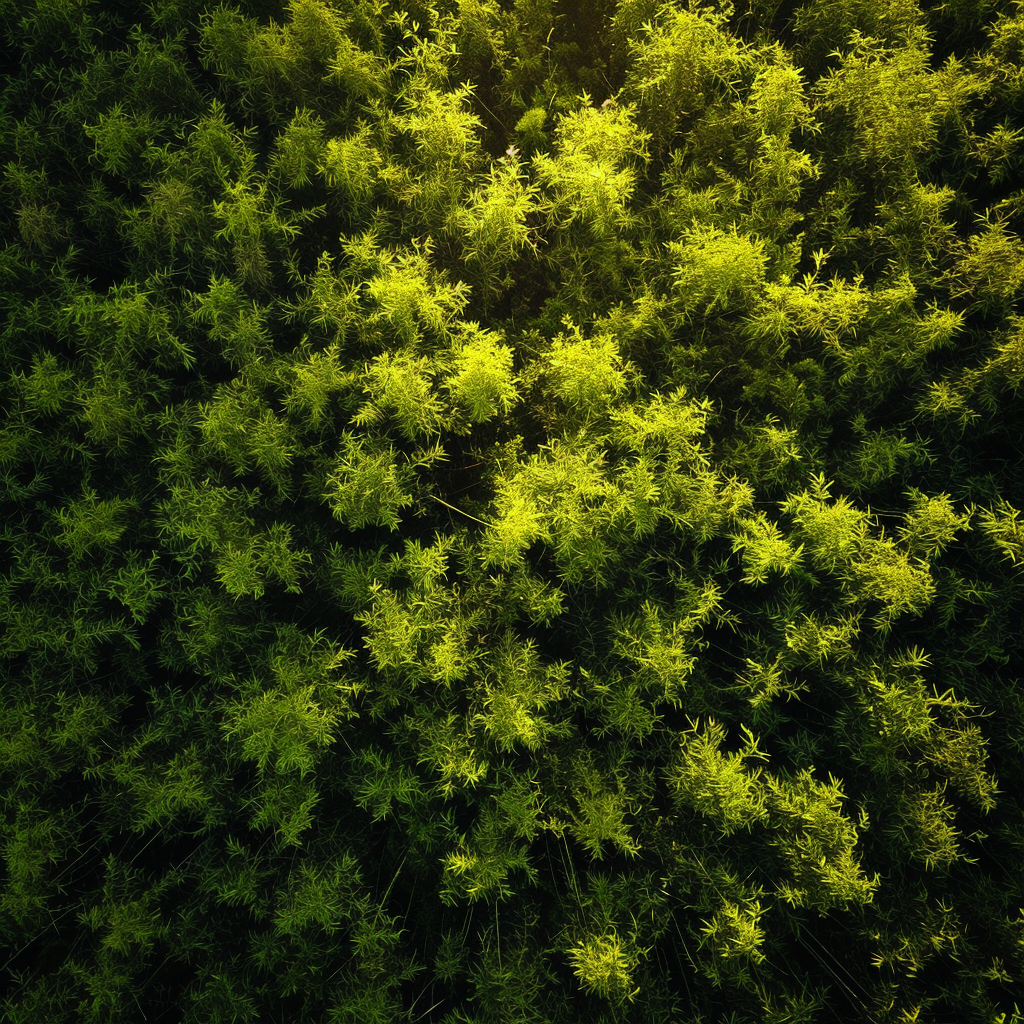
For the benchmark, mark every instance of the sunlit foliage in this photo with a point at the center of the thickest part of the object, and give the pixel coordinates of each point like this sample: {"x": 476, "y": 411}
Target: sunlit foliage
{"x": 511, "y": 511}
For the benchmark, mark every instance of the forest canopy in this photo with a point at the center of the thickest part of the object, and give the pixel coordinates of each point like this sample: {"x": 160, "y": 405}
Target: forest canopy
{"x": 513, "y": 511}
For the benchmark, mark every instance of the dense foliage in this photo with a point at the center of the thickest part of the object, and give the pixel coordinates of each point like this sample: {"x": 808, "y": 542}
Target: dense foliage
{"x": 513, "y": 511}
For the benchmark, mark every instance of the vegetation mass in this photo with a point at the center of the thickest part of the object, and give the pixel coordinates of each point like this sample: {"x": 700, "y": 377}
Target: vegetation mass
{"x": 513, "y": 511}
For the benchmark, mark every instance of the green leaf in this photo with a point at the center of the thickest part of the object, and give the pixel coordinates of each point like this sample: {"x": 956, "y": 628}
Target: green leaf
{"x": 718, "y": 269}
{"x": 482, "y": 381}
{"x": 765, "y": 549}
{"x": 834, "y": 531}
{"x": 91, "y": 522}
{"x": 368, "y": 485}
{"x": 604, "y": 965}
{"x": 818, "y": 842}
{"x": 717, "y": 785}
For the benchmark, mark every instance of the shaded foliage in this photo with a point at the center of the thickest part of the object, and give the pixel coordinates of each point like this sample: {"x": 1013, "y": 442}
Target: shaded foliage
{"x": 511, "y": 511}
